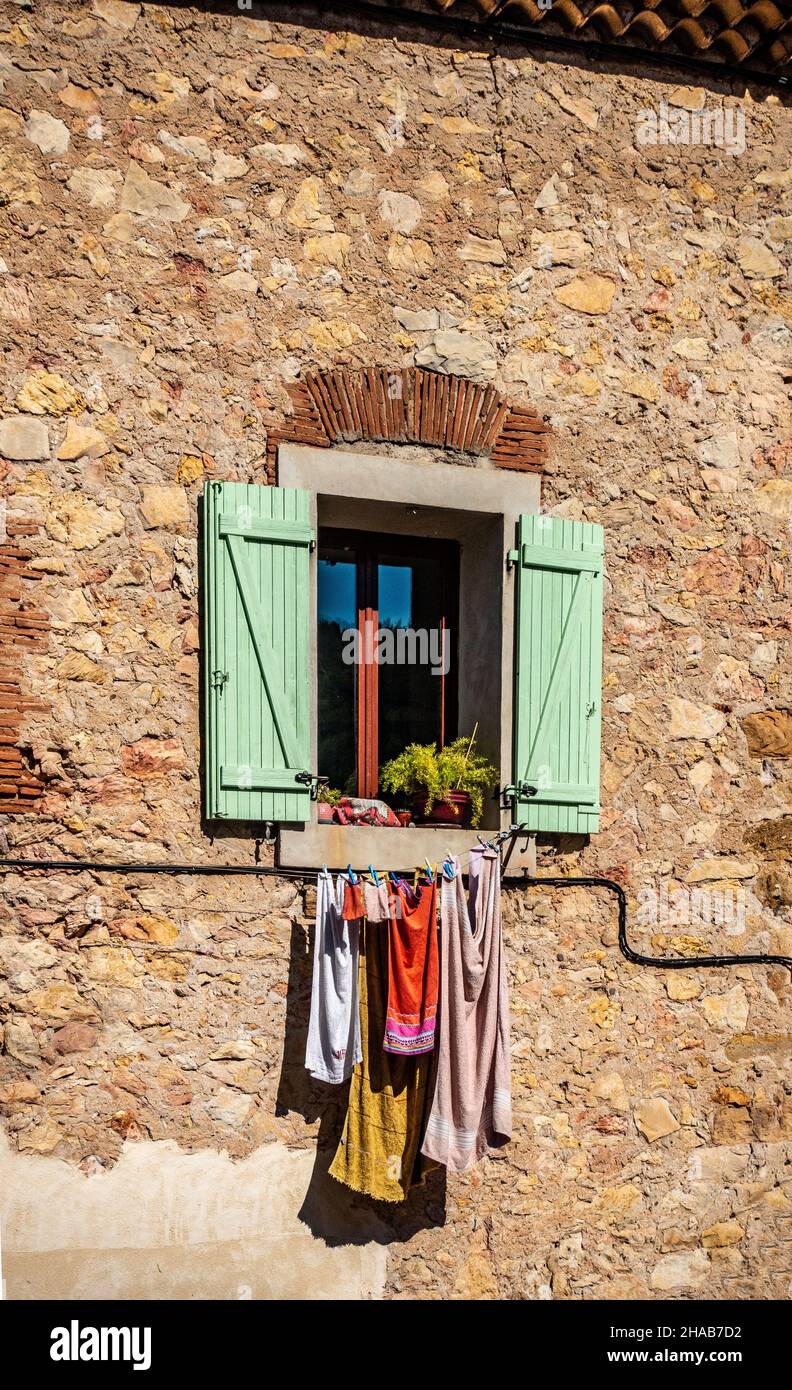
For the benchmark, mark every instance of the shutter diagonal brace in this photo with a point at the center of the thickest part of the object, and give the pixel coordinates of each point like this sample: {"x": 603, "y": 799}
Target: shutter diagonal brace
{"x": 269, "y": 665}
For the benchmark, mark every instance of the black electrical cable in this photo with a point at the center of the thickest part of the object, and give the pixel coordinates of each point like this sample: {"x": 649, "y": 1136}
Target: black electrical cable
{"x": 96, "y": 866}
{"x": 659, "y": 962}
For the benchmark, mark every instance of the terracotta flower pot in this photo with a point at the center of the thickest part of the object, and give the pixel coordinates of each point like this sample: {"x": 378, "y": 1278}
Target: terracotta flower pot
{"x": 454, "y": 810}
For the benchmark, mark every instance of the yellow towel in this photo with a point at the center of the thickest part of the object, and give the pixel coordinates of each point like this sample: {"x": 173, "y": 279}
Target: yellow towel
{"x": 389, "y": 1096}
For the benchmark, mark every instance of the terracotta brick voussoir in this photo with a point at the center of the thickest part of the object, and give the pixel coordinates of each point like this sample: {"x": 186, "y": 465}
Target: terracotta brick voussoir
{"x": 411, "y": 406}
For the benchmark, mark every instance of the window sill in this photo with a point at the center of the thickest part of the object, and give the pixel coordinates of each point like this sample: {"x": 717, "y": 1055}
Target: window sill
{"x": 386, "y": 847}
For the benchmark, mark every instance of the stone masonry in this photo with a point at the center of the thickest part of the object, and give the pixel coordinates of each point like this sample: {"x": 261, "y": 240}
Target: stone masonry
{"x": 199, "y": 212}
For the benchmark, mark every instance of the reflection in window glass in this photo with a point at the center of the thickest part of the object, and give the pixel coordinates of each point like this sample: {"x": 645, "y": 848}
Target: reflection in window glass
{"x": 395, "y": 595}
{"x": 407, "y": 588}
{"x": 337, "y": 612}
{"x": 411, "y": 595}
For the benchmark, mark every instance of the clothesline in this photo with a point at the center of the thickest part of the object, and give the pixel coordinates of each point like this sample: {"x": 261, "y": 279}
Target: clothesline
{"x": 426, "y": 868}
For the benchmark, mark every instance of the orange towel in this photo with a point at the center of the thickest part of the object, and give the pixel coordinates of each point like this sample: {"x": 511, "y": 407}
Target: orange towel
{"x": 413, "y": 971}
{"x": 353, "y": 901}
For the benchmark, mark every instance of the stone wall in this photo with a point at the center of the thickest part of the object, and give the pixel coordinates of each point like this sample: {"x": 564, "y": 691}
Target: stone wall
{"x": 195, "y": 211}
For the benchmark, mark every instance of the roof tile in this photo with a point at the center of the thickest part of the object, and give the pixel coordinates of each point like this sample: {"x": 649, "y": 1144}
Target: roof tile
{"x": 757, "y": 36}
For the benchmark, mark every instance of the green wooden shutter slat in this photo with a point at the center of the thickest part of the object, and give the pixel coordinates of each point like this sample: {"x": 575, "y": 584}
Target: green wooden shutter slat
{"x": 209, "y": 657}
{"x": 568, "y": 793}
{"x": 256, "y": 632}
{"x": 558, "y": 673}
{"x": 273, "y": 779}
{"x": 290, "y": 532}
{"x": 543, "y": 557}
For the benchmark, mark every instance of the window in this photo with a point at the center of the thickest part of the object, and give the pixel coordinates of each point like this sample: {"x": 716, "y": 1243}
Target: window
{"x": 387, "y": 630}
{"x": 290, "y": 573}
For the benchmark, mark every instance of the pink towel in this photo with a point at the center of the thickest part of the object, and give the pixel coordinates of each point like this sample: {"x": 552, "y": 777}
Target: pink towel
{"x": 375, "y": 901}
{"x": 471, "y": 1108}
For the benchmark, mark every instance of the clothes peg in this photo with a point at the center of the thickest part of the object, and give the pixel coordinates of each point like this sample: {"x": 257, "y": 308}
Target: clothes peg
{"x": 429, "y": 870}
{"x": 351, "y": 875}
{"x": 374, "y": 874}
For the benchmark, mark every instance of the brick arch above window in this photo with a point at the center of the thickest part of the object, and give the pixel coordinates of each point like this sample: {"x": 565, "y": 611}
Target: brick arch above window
{"x": 408, "y": 405}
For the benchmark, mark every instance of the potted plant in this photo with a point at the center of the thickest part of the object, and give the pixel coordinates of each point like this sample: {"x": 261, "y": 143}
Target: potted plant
{"x": 328, "y": 798}
{"x": 447, "y": 787}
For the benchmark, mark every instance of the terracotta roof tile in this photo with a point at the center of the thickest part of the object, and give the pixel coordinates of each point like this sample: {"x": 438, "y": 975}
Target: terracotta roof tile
{"x": 757, "y": 36}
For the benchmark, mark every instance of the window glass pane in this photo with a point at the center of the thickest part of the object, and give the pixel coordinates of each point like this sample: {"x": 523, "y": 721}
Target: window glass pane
{"x": 337, "y": 613}
{"x": 395, "y": 595}
{"x": 412, "y": 604}
{"x": 410, "y": 587}
{"x": 337, "y": 603}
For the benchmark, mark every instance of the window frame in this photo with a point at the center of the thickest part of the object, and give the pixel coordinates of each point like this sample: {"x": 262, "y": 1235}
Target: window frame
{"x": 487, "y": 500}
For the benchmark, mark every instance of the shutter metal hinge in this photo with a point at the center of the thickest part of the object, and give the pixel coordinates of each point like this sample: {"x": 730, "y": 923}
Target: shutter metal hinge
{"x": 311, "y": 780}
{"x": 520, "y": 791}
{"x": 590, "y": 708}
{"x": 218, "y": 679}
{"x": 512, "y": 558}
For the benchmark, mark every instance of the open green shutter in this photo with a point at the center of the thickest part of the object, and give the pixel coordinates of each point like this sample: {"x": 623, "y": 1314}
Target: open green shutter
{"x": 257, "y": 543}
{"x": 558, "y": 674}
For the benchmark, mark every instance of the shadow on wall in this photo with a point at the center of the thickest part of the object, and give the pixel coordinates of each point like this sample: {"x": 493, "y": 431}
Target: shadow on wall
{"x": 332, "y": 1212}
{"x": 457, "y": 32}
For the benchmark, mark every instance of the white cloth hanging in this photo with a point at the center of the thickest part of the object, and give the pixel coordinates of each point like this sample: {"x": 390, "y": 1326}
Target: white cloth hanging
{"x": 333, "y": 1047}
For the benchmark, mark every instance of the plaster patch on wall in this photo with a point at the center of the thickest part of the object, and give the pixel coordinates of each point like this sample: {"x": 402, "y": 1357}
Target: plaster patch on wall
{"x": 166, "y": 1224}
